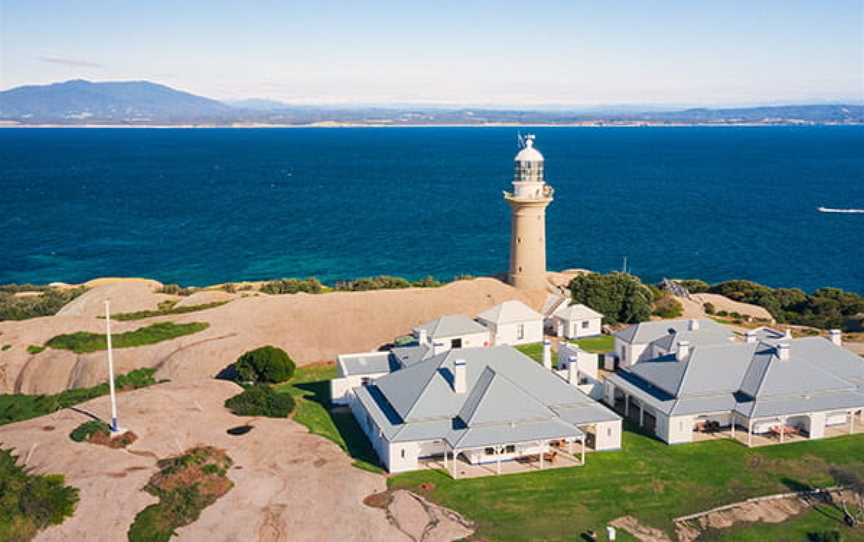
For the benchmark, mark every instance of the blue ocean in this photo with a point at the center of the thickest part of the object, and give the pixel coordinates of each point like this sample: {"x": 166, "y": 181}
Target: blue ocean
{"x": 200, "y": 206}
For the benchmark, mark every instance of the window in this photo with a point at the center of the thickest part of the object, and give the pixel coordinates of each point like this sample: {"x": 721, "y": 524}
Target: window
{"x": 585, "y": 324}
{"x": 489, "y": 451}
{"x": 365, "y": 381}
{"x": 403, "y": 453}
{"x": 510, "y": 449}
{"x": 456, "y": 343}
{"x": 608, "y": 431}
{"x": 520, "y": 331}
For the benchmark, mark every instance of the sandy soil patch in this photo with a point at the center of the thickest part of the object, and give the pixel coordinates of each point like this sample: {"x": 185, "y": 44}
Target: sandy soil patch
{"x": 285, "y": 478}
{"x": 693, "y": 308}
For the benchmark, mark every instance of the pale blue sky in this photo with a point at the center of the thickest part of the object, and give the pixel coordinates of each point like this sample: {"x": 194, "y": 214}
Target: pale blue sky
{"x": 464, "y": 52}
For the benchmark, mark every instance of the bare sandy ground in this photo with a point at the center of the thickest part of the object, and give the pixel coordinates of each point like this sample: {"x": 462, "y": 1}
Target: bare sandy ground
{"x": 694, "y": 308}
{"x": 289, "y": 484}
{"x": 309, "y": 327}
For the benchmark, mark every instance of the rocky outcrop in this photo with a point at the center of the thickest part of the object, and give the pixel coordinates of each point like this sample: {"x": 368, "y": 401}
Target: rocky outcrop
{"x": 309, "y": 327}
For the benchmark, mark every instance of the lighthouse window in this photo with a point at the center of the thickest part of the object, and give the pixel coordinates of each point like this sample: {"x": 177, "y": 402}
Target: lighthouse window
{"x": 520, "y": 331}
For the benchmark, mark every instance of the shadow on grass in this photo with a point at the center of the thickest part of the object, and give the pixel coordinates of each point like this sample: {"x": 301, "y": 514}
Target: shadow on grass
{"x": 822, "y": 504}
{"x": 354, "y": 441}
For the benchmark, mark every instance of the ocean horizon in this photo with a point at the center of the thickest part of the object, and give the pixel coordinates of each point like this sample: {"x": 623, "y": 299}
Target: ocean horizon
{"x": 199, "y": 207}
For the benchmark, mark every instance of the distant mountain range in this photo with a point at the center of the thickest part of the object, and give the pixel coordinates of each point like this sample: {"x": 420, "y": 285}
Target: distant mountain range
{"x": 144, "y": 103}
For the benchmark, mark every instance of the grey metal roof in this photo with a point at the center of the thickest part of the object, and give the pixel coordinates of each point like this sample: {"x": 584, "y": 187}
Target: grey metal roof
{"x": 510, "y": 312}
{"x": 451, "y": 325}
{"x": 370, "y": 363}
{"x": 751, "y": 379}
{"x": 409, "y": 355}
{"x": 504, "y": 389}
{"x": 709, "y": 332}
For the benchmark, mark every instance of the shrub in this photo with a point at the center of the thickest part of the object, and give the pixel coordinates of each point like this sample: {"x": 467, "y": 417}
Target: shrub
{"x": 381, "y": 282}
{"x": 668, "y": 307}
{"x": 175, "y": 289}
{"x": 87, "y": 429}
{"x": 694, "y": 286}
{"x": 620, "y": 297}
{"x": 292, "y": 286}
{"x": 35, "y": 349}
{"x": 31, "y": 502}
{"x": 48, "y": 303}
{"x": 426, "y": 282}
{"x": 825, "y": 536}
{"x": 709, "y": 308}
{"x": 185, "y": 485}
{"x": 267, "y": 364}
{"x": 723, "y": 314}
{"x": 261, "y": 401}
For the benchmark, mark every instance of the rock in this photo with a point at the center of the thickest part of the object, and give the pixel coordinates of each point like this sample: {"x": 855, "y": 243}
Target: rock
{"x": 278, "y": 494}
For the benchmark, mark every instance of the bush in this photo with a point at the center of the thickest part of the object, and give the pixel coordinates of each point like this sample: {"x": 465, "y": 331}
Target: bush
{"x": 267, "y": 364}
{"x": 668, "y": 307}
{"x": 709, "y": 308}
{"x": 31, "y": 502}
{"x": 292, "y": 286}
{"x": 620, "y": 297}
{"x": 35, "y": 349}
{"x": 261, "y": 401}
{"x": 48, "y": 303}
{"x": 825, "y": 536}
{"x": 87, "y": 429}
{"x": 426, "y": 282}
{"x": 381, "y": 282}
{"x": 175, "y": 289}
{"x": 694, "y": 286}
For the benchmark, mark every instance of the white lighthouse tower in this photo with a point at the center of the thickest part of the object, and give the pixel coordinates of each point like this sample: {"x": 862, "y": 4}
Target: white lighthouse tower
{"x": 528, "y": 201}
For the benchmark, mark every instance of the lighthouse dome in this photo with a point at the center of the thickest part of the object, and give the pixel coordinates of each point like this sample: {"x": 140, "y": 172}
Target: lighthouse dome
{"x": 528, "y": 152}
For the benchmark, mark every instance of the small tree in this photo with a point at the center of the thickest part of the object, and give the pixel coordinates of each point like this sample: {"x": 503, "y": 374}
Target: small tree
{"x": 709, "y": 308}
{"x": 267, "y": 364}
{"x": 620, "y": 297}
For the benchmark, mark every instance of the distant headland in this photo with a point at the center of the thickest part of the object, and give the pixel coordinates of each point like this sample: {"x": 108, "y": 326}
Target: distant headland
{"x": 80, "y": 103}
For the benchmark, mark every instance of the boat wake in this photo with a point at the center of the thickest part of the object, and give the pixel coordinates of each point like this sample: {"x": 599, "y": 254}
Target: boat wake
{"x": 844, "y": 211}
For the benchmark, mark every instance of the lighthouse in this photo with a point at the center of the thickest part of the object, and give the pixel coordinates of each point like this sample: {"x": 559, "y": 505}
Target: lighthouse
{"x": 528, "y": 201}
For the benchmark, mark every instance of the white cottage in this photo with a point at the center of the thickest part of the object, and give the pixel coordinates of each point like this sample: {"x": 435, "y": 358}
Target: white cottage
{"x": 513, "y": 323}
{"x": 574, "y": 321}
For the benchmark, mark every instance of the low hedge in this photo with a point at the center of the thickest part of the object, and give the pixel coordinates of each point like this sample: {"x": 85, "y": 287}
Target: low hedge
{"x": 261, "y": 401}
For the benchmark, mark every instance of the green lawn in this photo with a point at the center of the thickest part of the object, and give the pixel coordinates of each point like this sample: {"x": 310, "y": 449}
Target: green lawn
{"x": 83, "y": 342}
{"x": 310, "y": 387}
{"x": 822, "y": 518}
{"x": 598, "y": 344}
{"x": 647, "y": 479}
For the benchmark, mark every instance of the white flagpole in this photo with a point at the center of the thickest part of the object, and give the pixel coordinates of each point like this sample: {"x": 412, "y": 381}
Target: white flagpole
{"x": 114, "y": 426}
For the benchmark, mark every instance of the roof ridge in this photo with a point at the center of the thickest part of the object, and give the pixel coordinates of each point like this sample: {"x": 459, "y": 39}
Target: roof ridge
{"x": 425, "y": 387}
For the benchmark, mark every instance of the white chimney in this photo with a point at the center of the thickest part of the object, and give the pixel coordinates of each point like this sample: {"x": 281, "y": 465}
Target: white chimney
{"x": 694, "y": 325}
{"x": 836, "y": 337}
{"x": 460, "y": 384}
{"x": 788, "y": 334}
{"x": 422, "y": 336}
{"x": 783, "y": 350}
{"x": 683, "y": 350}
{"x": 547, "y": 355}
{"x": 750, "y": 336}
{"x": 573, "y": 371}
